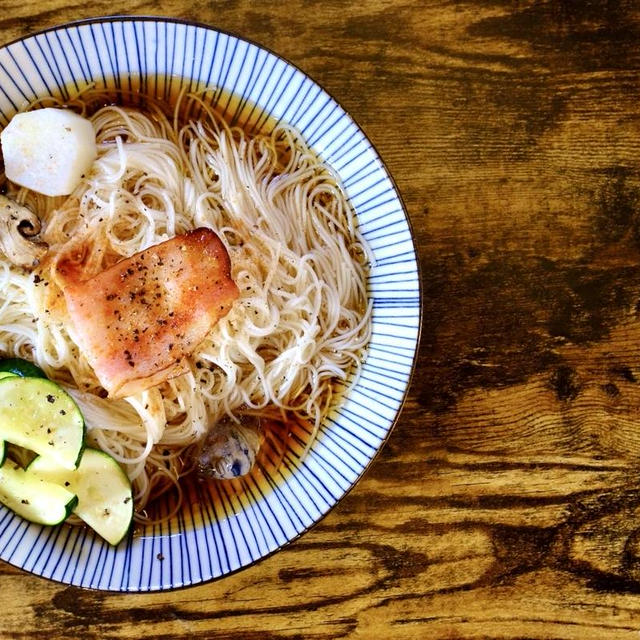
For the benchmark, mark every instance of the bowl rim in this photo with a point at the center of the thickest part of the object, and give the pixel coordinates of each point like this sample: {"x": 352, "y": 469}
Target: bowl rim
{"x": 190, "y": 23}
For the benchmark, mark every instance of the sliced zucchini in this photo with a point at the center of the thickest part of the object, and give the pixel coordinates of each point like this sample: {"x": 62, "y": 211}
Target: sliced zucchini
{"x": 39, "y": 415}
{"x": 105, "y": 500}
{"x": 20, "y": 367}
{"x": 3, "y": 446}
{"x": 34, "y": 498}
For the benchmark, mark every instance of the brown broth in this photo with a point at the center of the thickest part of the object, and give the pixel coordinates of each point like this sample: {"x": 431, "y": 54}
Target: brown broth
{"x": 203, "y": 499}
{"x": 287, "y": 441}
{"x": 136, "y": 91}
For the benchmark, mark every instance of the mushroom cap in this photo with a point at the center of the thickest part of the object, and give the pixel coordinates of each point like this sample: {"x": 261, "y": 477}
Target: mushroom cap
{"x": 18, "y": 225}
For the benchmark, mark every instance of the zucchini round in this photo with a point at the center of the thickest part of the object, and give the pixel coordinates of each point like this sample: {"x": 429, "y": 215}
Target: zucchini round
{"x": 39, "y": 415}
{"x": 105, "y": 500}
{"x": 34, "y": 498}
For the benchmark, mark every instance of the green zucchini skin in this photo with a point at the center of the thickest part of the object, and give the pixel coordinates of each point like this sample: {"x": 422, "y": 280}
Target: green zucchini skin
{"x": 22, "y": 368}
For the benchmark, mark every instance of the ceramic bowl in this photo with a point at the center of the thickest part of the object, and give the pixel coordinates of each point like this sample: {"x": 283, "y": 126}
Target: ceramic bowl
{"x": 222, "y": 531}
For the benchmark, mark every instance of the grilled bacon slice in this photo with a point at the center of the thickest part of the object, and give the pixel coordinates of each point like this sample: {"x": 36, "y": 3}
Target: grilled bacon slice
{"x": 136, "y": 321}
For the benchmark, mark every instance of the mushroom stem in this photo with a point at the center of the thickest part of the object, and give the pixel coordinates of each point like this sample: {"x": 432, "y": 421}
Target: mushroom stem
{"x": 17, "y": 226}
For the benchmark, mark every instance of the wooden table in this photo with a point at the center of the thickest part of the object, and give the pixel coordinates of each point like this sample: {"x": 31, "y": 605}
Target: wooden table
{"x": 507, "y": 501}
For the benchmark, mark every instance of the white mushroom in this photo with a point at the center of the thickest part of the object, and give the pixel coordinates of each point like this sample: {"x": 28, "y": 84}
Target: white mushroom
{"x": 18, "y": 228}
{"x": 229, "y": 450}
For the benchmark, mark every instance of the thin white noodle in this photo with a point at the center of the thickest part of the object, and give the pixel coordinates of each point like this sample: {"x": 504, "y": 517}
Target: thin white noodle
{"x": 302, "y": 321}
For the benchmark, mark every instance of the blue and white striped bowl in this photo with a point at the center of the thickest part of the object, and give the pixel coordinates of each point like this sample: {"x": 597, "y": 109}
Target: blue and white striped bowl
{"x": 226, "y": 532}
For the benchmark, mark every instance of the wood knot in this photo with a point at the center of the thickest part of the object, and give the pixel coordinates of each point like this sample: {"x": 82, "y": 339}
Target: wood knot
{"x": 564, "y": 383}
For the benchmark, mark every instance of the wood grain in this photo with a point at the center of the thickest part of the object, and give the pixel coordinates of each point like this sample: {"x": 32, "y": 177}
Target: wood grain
{"x": 507, "y": 501}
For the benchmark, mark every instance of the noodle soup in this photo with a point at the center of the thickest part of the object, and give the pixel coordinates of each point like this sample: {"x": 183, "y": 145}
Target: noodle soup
{"x": 294, "y": 338}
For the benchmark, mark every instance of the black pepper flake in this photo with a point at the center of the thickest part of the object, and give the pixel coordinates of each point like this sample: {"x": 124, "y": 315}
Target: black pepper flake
{"x": 51, "y": 398}
{"x": 24, "y": 501}
{"x": 160, "y": 557}
{"x": 50, "y": 443}
{"x": 36, "y": 278}
{"x": 127, "y": 500}
{"x": 106, "y": 512}
{"x": 66, "y": 483}
{"x": 111, "y": 296}
{"x": 63, "y": 412}
{"x": 198, "y": 365}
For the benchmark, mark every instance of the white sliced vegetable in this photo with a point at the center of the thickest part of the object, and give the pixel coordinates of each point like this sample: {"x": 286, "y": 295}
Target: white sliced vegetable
{"x": 48, "y": 150}
{"x": 32, "y": 497}
{"x": 39, "y": 415}
{"x": 105, "y": 500}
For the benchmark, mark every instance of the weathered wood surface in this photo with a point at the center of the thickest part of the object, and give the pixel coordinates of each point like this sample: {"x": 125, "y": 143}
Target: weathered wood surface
{"x": 507, "y": 502}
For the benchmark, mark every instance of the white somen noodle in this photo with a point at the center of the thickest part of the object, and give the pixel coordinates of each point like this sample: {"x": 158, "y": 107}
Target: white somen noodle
{"x": 300, "y": 325}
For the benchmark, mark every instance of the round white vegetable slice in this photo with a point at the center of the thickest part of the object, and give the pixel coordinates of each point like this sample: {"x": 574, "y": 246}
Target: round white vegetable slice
{"x": 39, "y": 415}
{"x": 32, "y": 497}
{"x": 105, "y": 500}
{"x": 48, "y": 150}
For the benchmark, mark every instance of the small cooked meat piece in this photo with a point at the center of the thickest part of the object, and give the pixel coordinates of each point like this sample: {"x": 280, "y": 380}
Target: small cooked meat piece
{"x": 136, "y": 321}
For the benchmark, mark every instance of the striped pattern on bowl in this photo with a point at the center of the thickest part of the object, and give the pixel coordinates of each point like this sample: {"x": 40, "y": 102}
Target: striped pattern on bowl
{"x": 221, "y": 532}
